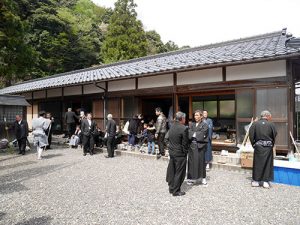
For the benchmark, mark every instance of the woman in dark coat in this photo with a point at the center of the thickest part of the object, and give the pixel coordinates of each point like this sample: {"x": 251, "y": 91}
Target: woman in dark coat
{"x": 198, "y": 135}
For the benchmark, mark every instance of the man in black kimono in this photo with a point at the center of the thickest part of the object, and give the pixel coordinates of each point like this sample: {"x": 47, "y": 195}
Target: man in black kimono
{"x": 262, "y": 135}
{"x": 198, "y": 135}
{"x": 88, "y": 128}
{"x": 178, "y": 148}
{"x": 21, "y": 132}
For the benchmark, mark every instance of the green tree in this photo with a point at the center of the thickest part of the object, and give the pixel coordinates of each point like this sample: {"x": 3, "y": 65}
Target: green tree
{"x": 155, "y": 44}
{"x": 170, "y": 46}
{"x": 125, "y": 38}
{"x": 16, "y": 56}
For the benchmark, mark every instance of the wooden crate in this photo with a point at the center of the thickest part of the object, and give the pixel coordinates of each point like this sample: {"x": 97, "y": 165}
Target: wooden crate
{"x": 246, "y": 159}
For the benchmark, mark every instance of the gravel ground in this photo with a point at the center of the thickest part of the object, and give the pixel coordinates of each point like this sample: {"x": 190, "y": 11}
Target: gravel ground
{"x": 67, "y": 188}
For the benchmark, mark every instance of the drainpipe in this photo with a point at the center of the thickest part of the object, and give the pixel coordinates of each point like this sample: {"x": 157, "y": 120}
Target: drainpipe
{"x": 104, "y": 103}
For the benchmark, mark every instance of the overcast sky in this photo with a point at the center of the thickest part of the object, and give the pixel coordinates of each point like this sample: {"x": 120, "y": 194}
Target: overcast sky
{"x": 201, "y": 22}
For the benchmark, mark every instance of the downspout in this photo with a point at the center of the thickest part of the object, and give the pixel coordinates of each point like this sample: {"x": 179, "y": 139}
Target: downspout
{"x": 104, "y": 102}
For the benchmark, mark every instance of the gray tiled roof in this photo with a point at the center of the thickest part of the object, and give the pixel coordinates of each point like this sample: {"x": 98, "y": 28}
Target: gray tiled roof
{"x": 263, "y": 47}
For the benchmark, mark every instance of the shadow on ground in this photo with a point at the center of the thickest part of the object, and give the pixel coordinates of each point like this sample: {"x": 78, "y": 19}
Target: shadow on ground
{"x": 2, "y": 214}
{"x": 17, "y": 164}
{"x": 12, "y": 182}
{"x": 43, "y": 220}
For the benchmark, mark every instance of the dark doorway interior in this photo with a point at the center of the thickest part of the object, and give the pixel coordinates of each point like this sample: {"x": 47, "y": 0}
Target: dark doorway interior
{"x": 149, "y": 105}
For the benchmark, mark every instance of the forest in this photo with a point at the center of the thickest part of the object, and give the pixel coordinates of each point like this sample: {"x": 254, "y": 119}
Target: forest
{"x": 41, "y": 38}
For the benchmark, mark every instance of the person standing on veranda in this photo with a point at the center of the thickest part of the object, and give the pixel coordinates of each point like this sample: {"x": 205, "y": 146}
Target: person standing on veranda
{"x": 262, "y": 135}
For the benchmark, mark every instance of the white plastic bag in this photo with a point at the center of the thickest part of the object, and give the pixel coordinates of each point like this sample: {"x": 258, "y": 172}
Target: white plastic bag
{"x": 125, "y": 129}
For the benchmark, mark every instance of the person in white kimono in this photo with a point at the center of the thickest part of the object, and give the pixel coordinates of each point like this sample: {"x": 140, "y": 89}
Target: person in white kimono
{"x": 40, "y": 138}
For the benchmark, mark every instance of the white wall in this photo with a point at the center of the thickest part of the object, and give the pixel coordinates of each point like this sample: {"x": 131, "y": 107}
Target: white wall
{"x": 91, "y": 88}
{"x": 57, "y": 92}
{"x": 200, "y": 76}
{"x": 155, "y": 81}
{"x": 74, "y": 90}
{"x": 256, "y": 70}
{"x": 121, "y": 85}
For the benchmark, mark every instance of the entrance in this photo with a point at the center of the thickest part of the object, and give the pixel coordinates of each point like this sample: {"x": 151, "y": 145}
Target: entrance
{"x": 149, "y": 105}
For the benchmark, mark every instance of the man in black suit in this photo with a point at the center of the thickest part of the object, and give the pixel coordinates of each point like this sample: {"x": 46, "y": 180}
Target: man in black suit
{"x": 70, "y": 119}
{"x": 21, "y": 132}
{"x": 88, "y": 128}
{"x": 178, "y": 149}
{"x": 111, "y": 134}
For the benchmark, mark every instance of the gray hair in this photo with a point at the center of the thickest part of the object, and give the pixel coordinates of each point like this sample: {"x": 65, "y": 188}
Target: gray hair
{"x": 265, "y": 113}
{"x": 179, "y": 116}
{"x": 109, "y": 116}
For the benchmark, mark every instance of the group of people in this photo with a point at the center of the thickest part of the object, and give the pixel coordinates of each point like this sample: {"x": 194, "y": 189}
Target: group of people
{"x": 188, "y": 145}
{"x": 191, "y": 143}
{"x": 21, "y": 131}
{"x": 88, "y": 133}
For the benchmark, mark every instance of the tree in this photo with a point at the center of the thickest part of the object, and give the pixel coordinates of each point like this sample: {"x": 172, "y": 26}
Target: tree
{"x": 125, "y": 38}
{"x": 170, "y": 46}
{"x": 16, "y": 56}
{"x": 155, "y": 44}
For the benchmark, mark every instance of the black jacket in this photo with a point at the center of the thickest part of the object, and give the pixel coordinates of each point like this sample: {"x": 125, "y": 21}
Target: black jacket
{"x": 70, "y": 117}
{"x": 201, "y": 131}
{"x": 111, "y": 128}
{"x": 178, "y": 140}
{"x": 133, "y": 126}
{"x": 86, "y": 129}
{"x": 21, "y": 130}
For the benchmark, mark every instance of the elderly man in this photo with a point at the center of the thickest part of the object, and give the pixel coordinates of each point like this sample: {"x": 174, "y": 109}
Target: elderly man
{"x": 111, "y": 134}
{"x": 21, "y": 132}
{"x": 262, "y": 135}
{"x": 178, "y": 149}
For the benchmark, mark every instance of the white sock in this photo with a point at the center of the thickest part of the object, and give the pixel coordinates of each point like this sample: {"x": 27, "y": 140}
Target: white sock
{"x": 39, "y": 152}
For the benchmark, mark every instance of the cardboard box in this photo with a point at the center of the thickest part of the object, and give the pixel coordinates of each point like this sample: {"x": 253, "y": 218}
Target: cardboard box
{"x": 247, "y": 159}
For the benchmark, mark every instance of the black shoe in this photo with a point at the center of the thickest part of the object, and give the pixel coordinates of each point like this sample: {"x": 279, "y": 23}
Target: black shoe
{"x": 20, "y": 153}
{"x": 84, "y": 154}
{"x": 92, "y": 153}
{"x": 23, "y": 153}
{"x": 180, "y": 193}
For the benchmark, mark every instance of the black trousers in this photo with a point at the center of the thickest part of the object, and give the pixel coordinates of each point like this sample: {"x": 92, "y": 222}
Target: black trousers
{"x": 161, "y": 143}
{"x": 88, "y": 144}
{"x": 110, "y": 146}
{"x": 22, "y": 145}
{"x": 176, "y": 173}
{"x": 49, "y": 139}
{"x": 71, "y": 127}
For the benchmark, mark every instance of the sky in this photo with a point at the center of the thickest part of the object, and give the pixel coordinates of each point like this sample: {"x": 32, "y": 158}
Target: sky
{"x": 202, "y": 22}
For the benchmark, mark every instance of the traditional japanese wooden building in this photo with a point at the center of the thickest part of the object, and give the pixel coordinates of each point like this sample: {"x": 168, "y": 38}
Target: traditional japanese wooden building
{"x": 233, "y": 80}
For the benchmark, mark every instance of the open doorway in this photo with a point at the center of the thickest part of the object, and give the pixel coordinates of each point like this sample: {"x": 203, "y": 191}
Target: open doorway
{"x": 149, "y": 105}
